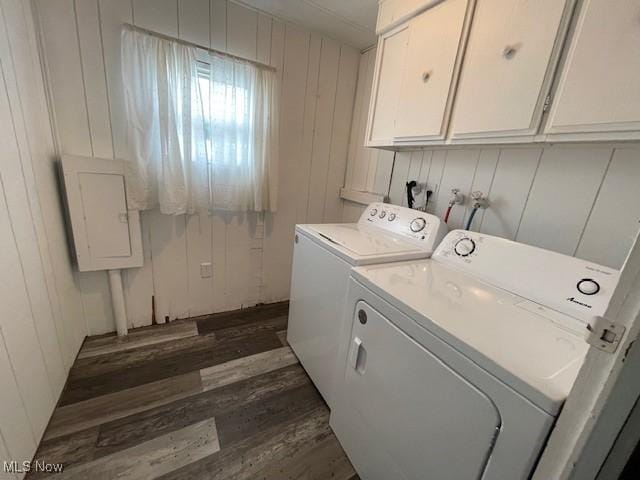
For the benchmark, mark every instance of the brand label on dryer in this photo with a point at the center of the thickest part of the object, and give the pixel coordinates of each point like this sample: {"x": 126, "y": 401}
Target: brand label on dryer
{"x": 578, "y": 302}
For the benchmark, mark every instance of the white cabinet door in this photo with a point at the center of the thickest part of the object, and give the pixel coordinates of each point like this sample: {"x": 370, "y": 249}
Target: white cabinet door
{"x": 598, "y": 94}
{"x": 511, "y": 51}
{"x": 392, "y": 49}
{"x": 430, "y": 63}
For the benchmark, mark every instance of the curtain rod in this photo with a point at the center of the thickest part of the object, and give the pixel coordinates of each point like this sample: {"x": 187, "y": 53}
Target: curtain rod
{"x": 191, "y": 44}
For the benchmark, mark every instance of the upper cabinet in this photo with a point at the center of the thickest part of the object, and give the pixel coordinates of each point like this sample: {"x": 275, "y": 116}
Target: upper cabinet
{"x": 497, "y": 71}
{"x": 598, "y": 92}
{"x": 390, "y": 60}
{"x": 416, "y": 70}
{"x": 508, "y": 64}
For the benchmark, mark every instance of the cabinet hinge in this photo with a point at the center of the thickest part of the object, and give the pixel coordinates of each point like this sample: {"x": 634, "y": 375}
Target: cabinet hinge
{"x": 604, "y": 334}
{"x": 547, "y": 103}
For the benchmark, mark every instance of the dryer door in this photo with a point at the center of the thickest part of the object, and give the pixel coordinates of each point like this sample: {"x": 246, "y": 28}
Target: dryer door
{"x": 403, "y": 414}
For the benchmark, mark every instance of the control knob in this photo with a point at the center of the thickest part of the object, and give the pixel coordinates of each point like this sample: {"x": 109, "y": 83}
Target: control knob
{"x": 588, "y": 286}
{"x": 464, "y": 247}
{"x": 373, "y": 212}
{"x": 383, "y": 213}
{"x": 391, "y": 217}
{"x": 417, "y": 224}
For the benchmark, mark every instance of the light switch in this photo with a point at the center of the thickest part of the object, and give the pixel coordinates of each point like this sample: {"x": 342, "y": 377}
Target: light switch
{"x": 206, "y": 270}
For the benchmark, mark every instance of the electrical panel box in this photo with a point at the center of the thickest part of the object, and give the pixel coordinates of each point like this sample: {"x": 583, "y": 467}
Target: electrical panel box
{"x": 106, "y": 234}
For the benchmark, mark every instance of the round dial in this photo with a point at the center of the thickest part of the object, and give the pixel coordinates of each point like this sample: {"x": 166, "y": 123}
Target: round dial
{"x": 588, "y": 286}
{"x": 373, "y": 212}
{"x": 417, "y": 224}
{"x": 464, "y": 247}
{"x": 382, "y": 214}
{"x": 391, "y": 217}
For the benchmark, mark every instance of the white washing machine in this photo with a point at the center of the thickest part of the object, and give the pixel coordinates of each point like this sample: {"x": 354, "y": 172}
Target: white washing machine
{"x": 457, "y": 367}
{"x": 322, "y": 259}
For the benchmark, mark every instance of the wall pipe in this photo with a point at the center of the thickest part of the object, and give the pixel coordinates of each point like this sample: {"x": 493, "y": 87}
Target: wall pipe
{"x": 117, "y": 300}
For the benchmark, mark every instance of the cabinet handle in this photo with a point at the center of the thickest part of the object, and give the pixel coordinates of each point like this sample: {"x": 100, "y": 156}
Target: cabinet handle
{"x": 426, "y": 75}
{"x": 510, "y": 51}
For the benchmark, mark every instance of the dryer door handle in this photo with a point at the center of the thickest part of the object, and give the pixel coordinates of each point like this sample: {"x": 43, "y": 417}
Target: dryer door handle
{"x": 358, "y": 358}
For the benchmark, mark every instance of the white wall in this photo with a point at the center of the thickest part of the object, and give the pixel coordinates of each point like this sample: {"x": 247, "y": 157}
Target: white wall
{"x": 579, "y": 200}
{"x": 42, "y": 324}
{"x": 251, "y": 254}
{"x": 368, "y": 169}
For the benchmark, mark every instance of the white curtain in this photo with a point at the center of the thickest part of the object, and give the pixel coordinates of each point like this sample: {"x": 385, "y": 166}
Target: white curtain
{"x": 202, "y": 128}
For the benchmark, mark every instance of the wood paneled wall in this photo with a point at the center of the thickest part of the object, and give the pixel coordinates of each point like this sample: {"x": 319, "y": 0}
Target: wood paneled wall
{"x": 579, "y": 200}
{"x": 42, "y": 324}
{"x": 368, "y": 169}
{"x": 251, "y": 254}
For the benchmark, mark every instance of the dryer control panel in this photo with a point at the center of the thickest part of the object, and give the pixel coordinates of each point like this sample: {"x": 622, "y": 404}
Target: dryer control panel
{"x": 567, "y": 284}
{"x": 414, "y": 224}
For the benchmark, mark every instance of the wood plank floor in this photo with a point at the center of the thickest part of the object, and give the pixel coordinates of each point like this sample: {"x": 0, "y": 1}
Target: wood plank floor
{"x": 216, "y": 397}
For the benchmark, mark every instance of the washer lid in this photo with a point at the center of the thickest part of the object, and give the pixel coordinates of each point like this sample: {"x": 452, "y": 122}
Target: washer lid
{"x": 529, "y": 347}
{"x": 362, "y": 240}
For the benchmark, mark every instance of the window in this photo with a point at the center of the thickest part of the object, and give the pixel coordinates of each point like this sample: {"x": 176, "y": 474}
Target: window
{"x": 223, "y": 117}
{"x": 202, "y": 128}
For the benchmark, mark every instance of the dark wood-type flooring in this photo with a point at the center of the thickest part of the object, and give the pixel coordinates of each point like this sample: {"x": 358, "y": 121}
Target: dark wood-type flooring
{"x": 216, "y": 397}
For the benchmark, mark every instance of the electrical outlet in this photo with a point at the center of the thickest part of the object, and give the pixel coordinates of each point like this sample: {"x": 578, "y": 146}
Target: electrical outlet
{"x": 206, "y": 270}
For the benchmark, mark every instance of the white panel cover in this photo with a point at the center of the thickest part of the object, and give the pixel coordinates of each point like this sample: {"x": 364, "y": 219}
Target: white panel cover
{"x": 106, "y": 235}
{"x": 105, "y": 209}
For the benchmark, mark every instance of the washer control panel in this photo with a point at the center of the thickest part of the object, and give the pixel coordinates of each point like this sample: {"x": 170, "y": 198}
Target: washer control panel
{"x": 567, "y": 284}
{"x": 413, "y": 224}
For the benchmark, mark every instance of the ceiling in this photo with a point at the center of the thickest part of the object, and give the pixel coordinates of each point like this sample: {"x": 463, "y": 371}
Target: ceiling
{"x": 350, "y": 21}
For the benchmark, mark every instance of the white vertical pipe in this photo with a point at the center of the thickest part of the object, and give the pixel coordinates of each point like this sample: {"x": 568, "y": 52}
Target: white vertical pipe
{"x": 117, "y": 299}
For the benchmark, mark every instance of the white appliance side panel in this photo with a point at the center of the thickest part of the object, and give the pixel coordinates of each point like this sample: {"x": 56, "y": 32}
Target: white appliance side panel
{"x": 318, "y": 292}
{"x": 420, "y": 418}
